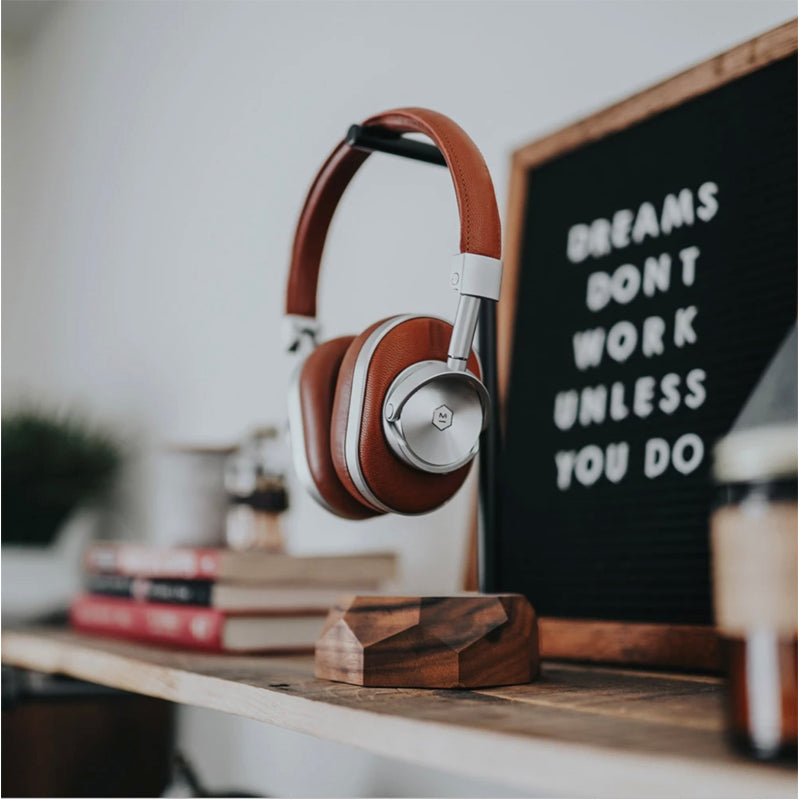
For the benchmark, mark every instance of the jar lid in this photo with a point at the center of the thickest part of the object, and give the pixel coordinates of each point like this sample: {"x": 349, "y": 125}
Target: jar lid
{"x": 754, "y": 454}
{"x": 274, "y": 499}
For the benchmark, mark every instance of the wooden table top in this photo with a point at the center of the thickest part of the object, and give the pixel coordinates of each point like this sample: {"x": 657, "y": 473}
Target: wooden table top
{"x": 591, "y": 731}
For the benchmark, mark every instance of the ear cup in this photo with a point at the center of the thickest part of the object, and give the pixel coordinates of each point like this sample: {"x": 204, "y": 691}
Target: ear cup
{"x": 315, "y": 392}
{"x": 362, "y": 458}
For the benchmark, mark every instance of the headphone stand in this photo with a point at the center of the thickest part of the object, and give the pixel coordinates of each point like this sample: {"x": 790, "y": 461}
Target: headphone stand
{"x": 377, "y": 140}
{"x": 457, "y": 641}
{"x": 453, "y": 642}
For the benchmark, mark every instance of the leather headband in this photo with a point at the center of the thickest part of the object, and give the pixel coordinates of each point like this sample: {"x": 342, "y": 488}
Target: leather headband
{"x": 477, "y": 206}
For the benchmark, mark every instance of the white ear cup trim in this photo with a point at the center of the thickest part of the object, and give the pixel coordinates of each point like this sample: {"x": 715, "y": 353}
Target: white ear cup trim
{"x": 356, "y": 409}
{"x": 297, "y": 442}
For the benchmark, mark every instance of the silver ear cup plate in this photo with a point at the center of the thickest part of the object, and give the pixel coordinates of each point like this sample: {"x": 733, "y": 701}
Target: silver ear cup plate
{"x": 433, "y": 416}
{"x": 441, "y": 423}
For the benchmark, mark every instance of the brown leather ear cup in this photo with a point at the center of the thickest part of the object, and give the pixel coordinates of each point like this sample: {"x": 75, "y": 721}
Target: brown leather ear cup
{"x": 316, "y": 385}
{"x": 400, "y": 487}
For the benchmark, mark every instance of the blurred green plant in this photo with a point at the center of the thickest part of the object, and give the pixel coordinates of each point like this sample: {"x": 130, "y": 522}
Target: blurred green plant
{"x": 53, "y": 463}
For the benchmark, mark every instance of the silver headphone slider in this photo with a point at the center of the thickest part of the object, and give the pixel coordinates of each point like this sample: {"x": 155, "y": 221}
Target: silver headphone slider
{"x": 297, "y": 329}
{"x": 476, "y": 276}
{"x": 464, "y": 327}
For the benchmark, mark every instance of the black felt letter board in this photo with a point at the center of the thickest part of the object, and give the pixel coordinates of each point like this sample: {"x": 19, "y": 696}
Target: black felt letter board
{"x": 613, "y": 349}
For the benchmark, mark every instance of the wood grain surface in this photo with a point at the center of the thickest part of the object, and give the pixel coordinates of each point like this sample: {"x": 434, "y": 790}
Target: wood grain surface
{"x": 691, "y": 647}
{"x": 578, "y": 731}
{"x": 456, "y": 641}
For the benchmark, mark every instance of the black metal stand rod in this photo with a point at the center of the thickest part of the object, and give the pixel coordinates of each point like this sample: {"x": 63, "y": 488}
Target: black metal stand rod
{"x": 382, "y": 141}
{"x": 489, "y": 461}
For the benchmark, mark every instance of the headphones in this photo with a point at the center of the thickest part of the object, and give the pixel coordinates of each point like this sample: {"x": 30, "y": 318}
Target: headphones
{"x": 389, "y": 421}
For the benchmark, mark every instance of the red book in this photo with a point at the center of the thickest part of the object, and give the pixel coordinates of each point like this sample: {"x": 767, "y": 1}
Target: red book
{"x": 196, "y": 627}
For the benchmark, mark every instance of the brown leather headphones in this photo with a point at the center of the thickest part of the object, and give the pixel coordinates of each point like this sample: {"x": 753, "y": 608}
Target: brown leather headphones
{"x": 389, "y": 421}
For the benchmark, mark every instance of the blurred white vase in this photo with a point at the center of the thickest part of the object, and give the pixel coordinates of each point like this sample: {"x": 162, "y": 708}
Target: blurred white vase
{"x": 39, "y": 581}
{"x": 189, "y": 496}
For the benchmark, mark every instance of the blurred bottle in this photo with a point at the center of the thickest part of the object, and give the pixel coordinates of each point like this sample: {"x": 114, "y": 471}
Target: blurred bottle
{"x": 255, "y": 482}
{"x": 754, "y": 549}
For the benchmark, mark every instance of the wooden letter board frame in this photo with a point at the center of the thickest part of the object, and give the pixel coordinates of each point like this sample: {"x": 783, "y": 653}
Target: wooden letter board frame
{"x": 656, "y": 644}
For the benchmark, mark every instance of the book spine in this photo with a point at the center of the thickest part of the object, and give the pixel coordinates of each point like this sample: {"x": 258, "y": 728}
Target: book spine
{"x": 152, "y": 590}
{"x": 143, "y": 561}
{"x": 177, "y": 625}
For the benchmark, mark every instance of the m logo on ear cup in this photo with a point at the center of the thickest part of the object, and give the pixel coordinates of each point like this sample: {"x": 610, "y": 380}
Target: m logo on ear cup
{"x": 442, "y": 417}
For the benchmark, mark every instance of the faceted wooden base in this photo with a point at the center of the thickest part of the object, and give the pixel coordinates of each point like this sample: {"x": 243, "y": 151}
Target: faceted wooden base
{"x": 460, "y": 641}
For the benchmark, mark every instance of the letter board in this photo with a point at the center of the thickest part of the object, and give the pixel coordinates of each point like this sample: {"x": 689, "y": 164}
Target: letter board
{"x": 651, "y": 274}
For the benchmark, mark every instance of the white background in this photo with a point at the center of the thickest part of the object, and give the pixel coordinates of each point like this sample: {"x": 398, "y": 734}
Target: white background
{"x": 155, "y": 157}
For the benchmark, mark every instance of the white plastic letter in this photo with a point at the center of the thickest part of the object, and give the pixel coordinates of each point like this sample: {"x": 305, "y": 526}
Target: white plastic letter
{"x": 669, "y": 388}
{"x": 653, "y": 336}
{"x": 622, "y": 340}
{"x": 578, "y": 243}
{"x": 566, "y": 409}
{"x": 643, "y": 396}
{"x": 656, "y": 274}
{"x": 680, "y": 461}
{"x": 656, "y": 457}
{"x": 677, "y": 211}
{"x": 688, "y": 258}
{"x": 598, "y": 291}
{"x": 617, "y": 409}
{"x": 709, "y": 205}
{"x": 616, "y": 461}
{"x": 646, "y": 223}
{"x": 564, "y": 461}
{"x": 684, "y": 332}
{"x": 694, "y": 383}
{"x": 593, "y": 405}
{"x": 600, "y": 238}
{"x": 588, "y": 347}
{"x": 589, "y": 464}
{"x": 621, "y": 228}
{"x": 625, "y": 283}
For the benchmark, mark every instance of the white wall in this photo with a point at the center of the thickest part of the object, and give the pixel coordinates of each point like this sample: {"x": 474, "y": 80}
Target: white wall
{"x": 155, "y": 157}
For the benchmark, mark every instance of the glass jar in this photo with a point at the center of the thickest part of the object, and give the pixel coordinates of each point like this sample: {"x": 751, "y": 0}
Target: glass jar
{"x": 254, "y": 479}
{"x": 754, "y": 552}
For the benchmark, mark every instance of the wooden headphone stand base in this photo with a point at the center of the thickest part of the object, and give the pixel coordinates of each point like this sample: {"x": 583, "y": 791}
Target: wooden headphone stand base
{"x": 451, "y": 642}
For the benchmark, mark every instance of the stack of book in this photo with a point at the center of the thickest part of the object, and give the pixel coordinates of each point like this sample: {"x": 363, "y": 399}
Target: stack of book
{"x": 215, "y": 599}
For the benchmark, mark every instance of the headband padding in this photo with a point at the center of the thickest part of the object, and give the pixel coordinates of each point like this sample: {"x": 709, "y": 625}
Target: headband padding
{"x": 402, "y": 488}
{"x": 477, "y": 205}
{"x": 317, "y": 384}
